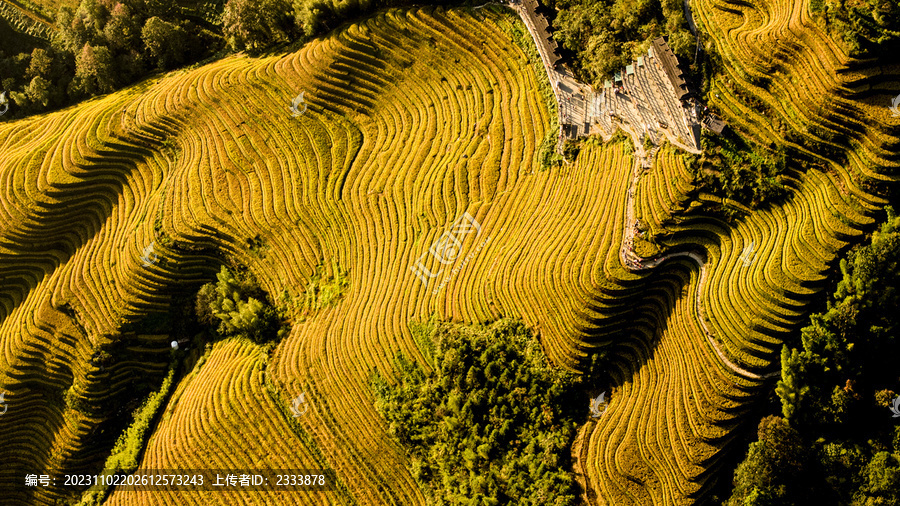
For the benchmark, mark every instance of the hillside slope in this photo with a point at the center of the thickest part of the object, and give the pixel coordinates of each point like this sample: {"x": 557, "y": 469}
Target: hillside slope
{"x": 415, "y": 117}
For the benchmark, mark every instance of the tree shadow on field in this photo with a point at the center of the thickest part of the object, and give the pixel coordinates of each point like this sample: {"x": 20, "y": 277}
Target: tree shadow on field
{"x": 45, "y": 239}
{"x": 628, "y": 333}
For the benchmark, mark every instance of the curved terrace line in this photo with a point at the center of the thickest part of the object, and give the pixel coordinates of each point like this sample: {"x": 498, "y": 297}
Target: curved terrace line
{"x": 635, "y": 263}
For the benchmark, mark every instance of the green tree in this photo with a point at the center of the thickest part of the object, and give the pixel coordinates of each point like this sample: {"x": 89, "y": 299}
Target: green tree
{"x": 847, "y": 352}
{"x": 94, "y": 74}
{"x": 608, "y": 34}
{"x": 44, "y": 71}
{"x": 866, "y": 26}
{"x": 882, "y": 481}
{"x": 316, "y": 16}
{"x": 834, "y": 391}
{"x": 98, "y": 47}
{"x": 485, "y": 419}
{"x": 38, "y": 91}
{"x": 72, "y": 34}
{"x": 842, "y": 465}
{"x": 773, "y": 472}
{"x": 248, "y": 24}
{"x": 40, "y": 65}
{"x": 160, "y": 8}
{"x": 165, "y": 42}
{"x": 95, "y": 14}
{"x": 237, "y": 306}
{"x": 122, "y": 30}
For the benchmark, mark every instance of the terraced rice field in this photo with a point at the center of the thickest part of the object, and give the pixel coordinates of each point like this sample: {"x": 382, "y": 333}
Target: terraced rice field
{"x": 415, "y": 117}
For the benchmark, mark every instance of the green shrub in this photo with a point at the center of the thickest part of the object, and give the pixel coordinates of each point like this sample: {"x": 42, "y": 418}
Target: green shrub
{"x": 868, "y": 27}
{"x": 837, "y": 442}
{"x": 486, "y": 420}
{"x": 733, "y": 168}
{"x": 238, "y": 307}
{"x": 607, "y": 35}
{"x": 98, "y": 47}
{"x": 125, "y": 455}
{"x": 255, "y": 25}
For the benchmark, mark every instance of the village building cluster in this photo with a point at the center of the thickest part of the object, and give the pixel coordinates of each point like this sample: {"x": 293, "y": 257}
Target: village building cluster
{"x": 651, "y": 98}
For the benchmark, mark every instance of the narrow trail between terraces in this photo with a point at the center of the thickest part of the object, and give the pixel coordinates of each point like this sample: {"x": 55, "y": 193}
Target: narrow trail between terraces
{"x": 635, "y": 263}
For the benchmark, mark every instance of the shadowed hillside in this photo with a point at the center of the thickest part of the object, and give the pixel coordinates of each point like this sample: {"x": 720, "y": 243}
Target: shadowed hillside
{"x": 414, "y": 118}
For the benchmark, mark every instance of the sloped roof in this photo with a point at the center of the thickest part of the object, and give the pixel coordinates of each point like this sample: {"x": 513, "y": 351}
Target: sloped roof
{"x": 670, "y": 65}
